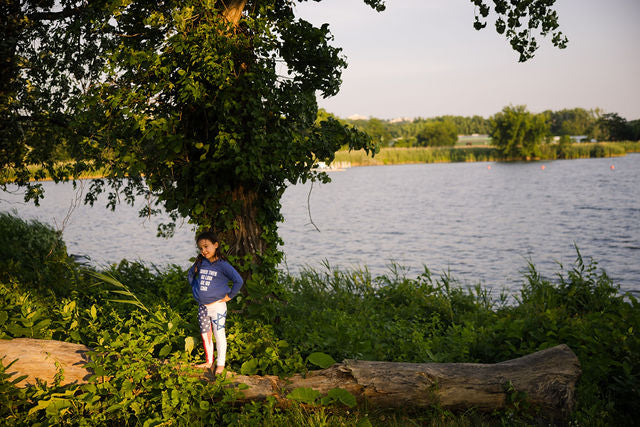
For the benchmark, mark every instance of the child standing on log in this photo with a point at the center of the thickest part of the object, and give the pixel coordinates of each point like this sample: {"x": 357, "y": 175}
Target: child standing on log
{"x": 209, "y": 278}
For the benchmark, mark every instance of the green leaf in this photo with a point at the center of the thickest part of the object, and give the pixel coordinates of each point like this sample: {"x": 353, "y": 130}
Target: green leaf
{"x": 94, "y": 312}
{"x": 3, "y": 317}
{"x": 69, "y": 307}
{"x": 204, "y": 405}
{"x": 165, "y": 350}
{"x": 304, "y": 394}
{"x": 43, "y": 324}
{"x": 249, "y": 367}
{"x": 189, "y": 344}
{"x": 364, "y": 422}
{"x": 322, "y": 360}
{"x": 18, "y": 379}
{"x": 42, "y": 404}
{"x": 343, "y": 396}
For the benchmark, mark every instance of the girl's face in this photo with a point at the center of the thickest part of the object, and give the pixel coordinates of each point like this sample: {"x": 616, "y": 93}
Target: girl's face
{"x": 207, "y": 248}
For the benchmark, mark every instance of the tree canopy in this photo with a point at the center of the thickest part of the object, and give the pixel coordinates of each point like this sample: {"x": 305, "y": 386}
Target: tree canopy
{"x": 205, "y": 108}
{"x": 436, "y": 134}
{"x": 517, "y": 132}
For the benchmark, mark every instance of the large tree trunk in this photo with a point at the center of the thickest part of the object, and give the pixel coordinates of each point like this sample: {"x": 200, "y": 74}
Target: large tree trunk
{"x": 245, "y": 237}
{"x": 548, "y": 378}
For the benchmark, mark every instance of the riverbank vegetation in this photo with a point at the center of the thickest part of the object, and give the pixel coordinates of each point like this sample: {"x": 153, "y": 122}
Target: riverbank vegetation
{"x": 483, "y": 153}
{"x": 578, "y": 124}
{"x": 344, "y": 314}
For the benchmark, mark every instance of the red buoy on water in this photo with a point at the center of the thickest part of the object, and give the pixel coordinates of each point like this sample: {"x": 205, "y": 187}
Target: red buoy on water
{"x": 612, "y": 167}
{"x": 542, "y": 167}
{"x": 489, "y": 167}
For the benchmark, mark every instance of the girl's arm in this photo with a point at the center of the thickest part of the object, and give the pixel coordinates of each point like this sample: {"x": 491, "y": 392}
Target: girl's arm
{"x": 235, "y": 277}
{"x": 191, "y": 275}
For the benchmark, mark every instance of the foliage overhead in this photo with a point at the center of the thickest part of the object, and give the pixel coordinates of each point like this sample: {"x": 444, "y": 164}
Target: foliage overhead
{"x": 519, "y": 21}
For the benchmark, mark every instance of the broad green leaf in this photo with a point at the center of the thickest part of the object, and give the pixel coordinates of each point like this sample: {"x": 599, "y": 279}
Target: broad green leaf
{"x": 322, "y": 360}
{"x": 165, "y": 350}
{"x": 189, "y": 344}
{"x": 343, "y": 396}
{"x": 304, "y": 394}
{"x": 43, "y": 324}
{"x": 42, "y": 404}
{"x": 70, "y": 307}
{"x": 249, "y": 367}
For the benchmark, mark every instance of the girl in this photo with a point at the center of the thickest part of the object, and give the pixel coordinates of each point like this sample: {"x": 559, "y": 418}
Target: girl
{"x": 209, "y": 277}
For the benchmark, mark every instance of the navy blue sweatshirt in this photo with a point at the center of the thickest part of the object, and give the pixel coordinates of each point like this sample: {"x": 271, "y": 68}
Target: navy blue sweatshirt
{"x": 211, "y": 282}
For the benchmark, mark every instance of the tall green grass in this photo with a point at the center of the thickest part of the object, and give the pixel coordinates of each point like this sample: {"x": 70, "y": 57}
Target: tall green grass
{"x": 404, "y": 155}
{"x": 407, "y": 155}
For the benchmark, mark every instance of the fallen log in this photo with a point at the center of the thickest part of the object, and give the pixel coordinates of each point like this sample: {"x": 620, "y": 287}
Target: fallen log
{"x": 548, "y": 378}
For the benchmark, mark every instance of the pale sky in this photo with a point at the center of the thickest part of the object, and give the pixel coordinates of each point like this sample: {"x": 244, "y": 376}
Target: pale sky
{"x": 422, "y": 58}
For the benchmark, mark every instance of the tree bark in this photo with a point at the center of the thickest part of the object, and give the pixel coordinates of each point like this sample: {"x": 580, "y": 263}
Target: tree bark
{"x": 548, "y": 378}
{"x": 245, "y": 237}
{"x": 233, "y": 10}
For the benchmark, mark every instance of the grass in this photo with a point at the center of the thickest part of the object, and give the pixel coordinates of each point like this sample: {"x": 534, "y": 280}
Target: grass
{"x": 481, "y": 153}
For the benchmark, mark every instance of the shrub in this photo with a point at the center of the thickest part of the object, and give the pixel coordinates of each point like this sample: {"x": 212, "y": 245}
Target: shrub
{"x": 35, "y": 255}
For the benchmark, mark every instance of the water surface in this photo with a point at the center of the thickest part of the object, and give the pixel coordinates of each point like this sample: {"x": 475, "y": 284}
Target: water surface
{"x": 482, "y": 222}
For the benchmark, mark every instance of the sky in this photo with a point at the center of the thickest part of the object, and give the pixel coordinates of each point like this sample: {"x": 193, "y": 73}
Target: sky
{"x": 423, "y": 58}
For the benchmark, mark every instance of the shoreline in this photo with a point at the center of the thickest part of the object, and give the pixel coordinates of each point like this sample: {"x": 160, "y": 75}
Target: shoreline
{"x": 457, "y": 154}
{"x": 460, "y": 154}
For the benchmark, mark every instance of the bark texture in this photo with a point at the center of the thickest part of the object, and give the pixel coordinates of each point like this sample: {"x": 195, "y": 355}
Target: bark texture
{"x": 41, "y": 359}
{"x": 548, "y": 378}
{"x": 233, "y": 10}
{"x": 245, "y": 237}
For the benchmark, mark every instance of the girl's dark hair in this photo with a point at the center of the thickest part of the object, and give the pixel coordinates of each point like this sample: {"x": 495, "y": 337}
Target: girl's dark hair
{"x": 210, "y": 236}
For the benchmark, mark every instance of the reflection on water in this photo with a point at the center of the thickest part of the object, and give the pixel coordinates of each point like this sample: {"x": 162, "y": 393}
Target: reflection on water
{"x": 482, "y": 224}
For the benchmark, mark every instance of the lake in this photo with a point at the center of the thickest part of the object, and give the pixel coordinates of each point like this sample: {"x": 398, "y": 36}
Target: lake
{"x": 481, "y": 222}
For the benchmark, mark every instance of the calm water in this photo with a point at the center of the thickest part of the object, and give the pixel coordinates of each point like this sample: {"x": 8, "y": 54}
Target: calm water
{"x": 481, "y": 221}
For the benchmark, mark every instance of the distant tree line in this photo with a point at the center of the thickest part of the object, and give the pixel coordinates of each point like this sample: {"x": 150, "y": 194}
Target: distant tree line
{"x": 579, "y": 123}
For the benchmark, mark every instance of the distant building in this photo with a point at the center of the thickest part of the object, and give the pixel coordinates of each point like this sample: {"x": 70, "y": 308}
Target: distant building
{"x": 357, "y": 117}
{"x": 400, "y": 119}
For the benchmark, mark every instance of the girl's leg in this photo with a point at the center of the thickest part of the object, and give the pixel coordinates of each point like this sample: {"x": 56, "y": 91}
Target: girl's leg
{"x": 207, "y": 341}
{"x": 218, "y": 315}
{"x": 205, "y": 330}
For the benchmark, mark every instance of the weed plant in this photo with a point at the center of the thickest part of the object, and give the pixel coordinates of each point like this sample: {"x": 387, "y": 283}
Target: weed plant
{"x": 140, "y": 323}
